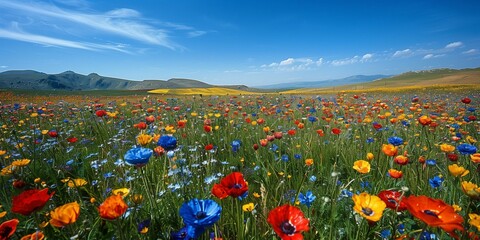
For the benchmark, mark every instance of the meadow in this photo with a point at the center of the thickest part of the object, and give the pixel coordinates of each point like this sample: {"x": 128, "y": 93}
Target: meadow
{"x": 343, "y": 165}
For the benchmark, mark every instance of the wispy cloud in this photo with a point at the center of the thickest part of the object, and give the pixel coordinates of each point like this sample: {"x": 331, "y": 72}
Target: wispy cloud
{"x": 49, "y": 41}
{"x": 429, "y": 56}
{"x": 454, "y": 45}
{"x": 124, "y": 22}
{"x": 367, "y": 57}
{"x": 346, "y": 61}
{"x": 471, "y": 51}
{"x": 3, "y": 66}
{"x": 403, "y": 53}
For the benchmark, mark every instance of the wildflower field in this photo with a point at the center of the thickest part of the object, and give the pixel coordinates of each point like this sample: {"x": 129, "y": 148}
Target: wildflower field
{"x": 399, "y": 165}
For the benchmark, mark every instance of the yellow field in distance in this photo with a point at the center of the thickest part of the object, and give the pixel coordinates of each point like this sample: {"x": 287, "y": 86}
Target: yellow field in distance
{"x": 203, "y": 91}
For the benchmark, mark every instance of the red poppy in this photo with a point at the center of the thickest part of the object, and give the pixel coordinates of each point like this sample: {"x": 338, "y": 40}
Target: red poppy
{"x": 72, "y": 139}
{"x": 30, "y": 200}
{"x": 452, "y": 157}
{"x": 270, "y": 138}
{"x": 150, "y": 119}
{"x": 207, "y": 128}
{"x": 264, "y": 142}
{"x": 377, "y": 125}
{"x": 393, "y": 199}
{"x": 233, "y": 185}
{"x": 466, "y": 100}
{"x": 320, "y": 132}
{"x": 209, "y": 147}
{"x": 288, "y": 222}
{"x": 140, "y": 125}
{"x": 260, "y": 121}
{"x": 291, "y": 132}
{"x": 113, "y": 207}
{"x": 435, "y": 213}
{"x": 7, "y": 228}
{"x": 53, "y": 133}
{"x": 255, "y": 146}
{"x": 336, "y": 131}
{"x": 278, "y": 135}
{"x": 101, "y": 113}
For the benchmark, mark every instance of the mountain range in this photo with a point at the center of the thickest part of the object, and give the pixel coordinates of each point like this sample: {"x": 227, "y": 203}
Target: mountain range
{"x": 71, "y": 81}
{"x": 28, "y": 79}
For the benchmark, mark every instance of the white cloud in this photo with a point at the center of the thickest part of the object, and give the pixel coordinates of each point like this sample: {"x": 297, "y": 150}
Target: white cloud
{"x": 429, "y": 56}
{"x": 367, "y": 57}
{"x": 471, "y": 51}
{"x": 454, "y": 45}
{"x": 123, "y": 22}
{"x": 287, "y": 61}
{"x": 273, "y": 64}
{"x": 49, "y": 41}
{"x": 403, "y": 53}
{"x": 345, "y": 61}
{"x": 319, "y": 61}
{"x": 3, "y": 66}
{"x": 196, "y": 33}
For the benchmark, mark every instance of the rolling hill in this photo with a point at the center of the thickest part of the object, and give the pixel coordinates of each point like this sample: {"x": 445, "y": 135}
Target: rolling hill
{"x": 325, "y": 83}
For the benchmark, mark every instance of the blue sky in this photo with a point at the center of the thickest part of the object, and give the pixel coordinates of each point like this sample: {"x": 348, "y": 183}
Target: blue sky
{"x": 247, "y": 42}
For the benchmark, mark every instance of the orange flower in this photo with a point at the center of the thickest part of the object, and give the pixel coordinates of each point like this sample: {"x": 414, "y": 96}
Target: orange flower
{"x": 38, "y": 235}
{"x": 370, "y": 156}
{"x": 435, "y": 213}
{"x": 389, "y": 150}
{"x": 475, "y": 157}
{"x": 361, "y": 166}
{"x": 65, "y": 214}
{"x": 424, "y": 120}
{"x": 401, "y": 160}
{"x": 113, "y": 207}
{"x": 456, "y": 170}
{"x": 395, "y": 173}
{"x": 309, "y": 162}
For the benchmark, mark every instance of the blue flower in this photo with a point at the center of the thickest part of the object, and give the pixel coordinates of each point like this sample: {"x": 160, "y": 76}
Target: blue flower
{"x": 385, "y": 233}
{"x": 167, "y": 142}
{"x": 285, "y": 157}
{"x": 235, "y": 145}
{"x": 312, "y": 178}
{"x": 431, "y": 162}
{"x": 307, "y": 199}
{"x": 466, "y": 149}
{"x": 138, "y": 156}
{"x": 428, "y": 236}
{"x": 142, "y": 225}
{"x": 435, "y": 182}
{"x": 200, "y": 213}
{"x": 395, "y": 141}
{"x": 370, "y": 140}
{"x": 312, "y": 119}
{"x": 187, "y": 233}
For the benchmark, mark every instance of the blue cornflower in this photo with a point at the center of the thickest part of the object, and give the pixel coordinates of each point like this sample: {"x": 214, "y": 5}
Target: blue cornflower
{"x": 235, "y": 145}
{"x": 187, "y": 233}
{"x": 431, "y": 162}
{"x": 428, "y": 236}
{"x": 285, "y": 157}
{"x": 435, "y": 182}
{"x": 138, "y": 156}
{"x": 466, "y": 149}
{"x": 312, "y": 178}
{"x": 142, "y": 225}
{"x": 395, "y": 141}
{"x": 167, "y": 142}
{"x": 200, "y": 213}
{"x": 312, "y": 119}
{"x": 307, "y": 199}
{"x": 385, "y": 233}
{"x": 274, "y": 147}
{"x": 345, "y": 194}
{"x": 297, "y": 156}
{"x": 370, "y": 140}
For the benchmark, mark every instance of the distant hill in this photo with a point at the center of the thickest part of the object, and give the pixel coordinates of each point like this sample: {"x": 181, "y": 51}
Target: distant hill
{"x": 326, "y": 83}
{"x": 28, "y": 79}
{"x": 444, "y": 77}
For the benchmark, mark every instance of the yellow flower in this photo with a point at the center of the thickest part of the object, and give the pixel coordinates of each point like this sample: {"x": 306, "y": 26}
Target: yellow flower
{"x": 255, "y": 194}
{"x": 194, "y": 114}
{"x": 64, "y": 215}
{"x": 144, "y": 139}
{"x": 361, "y": 166}
{"x": 254, "y": 123}
{"x": 2, "y": 214}
{"x": 447, "y": 148}
{"x": 470, "y": 139}
{"x": 6, "y": 171}
{"x": 370, "y": 156}
{"x": 248, "y": 207}
{"x": 44, "y": 132}
{"x": 21, "y": 163}
{"x": 73, "y": 183}
{"x": 137, "y": 198}
{"x": 309, "y": 161}
{"x": 369, "y": 206}
{"x": 471, "y": 189}
{"x": 456, "y": 208}
{"x": 217, "y": 115}
{"x": 474, "y": 220}
{"x": 456, "y": 170}
{"x": 122, "y": 191}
